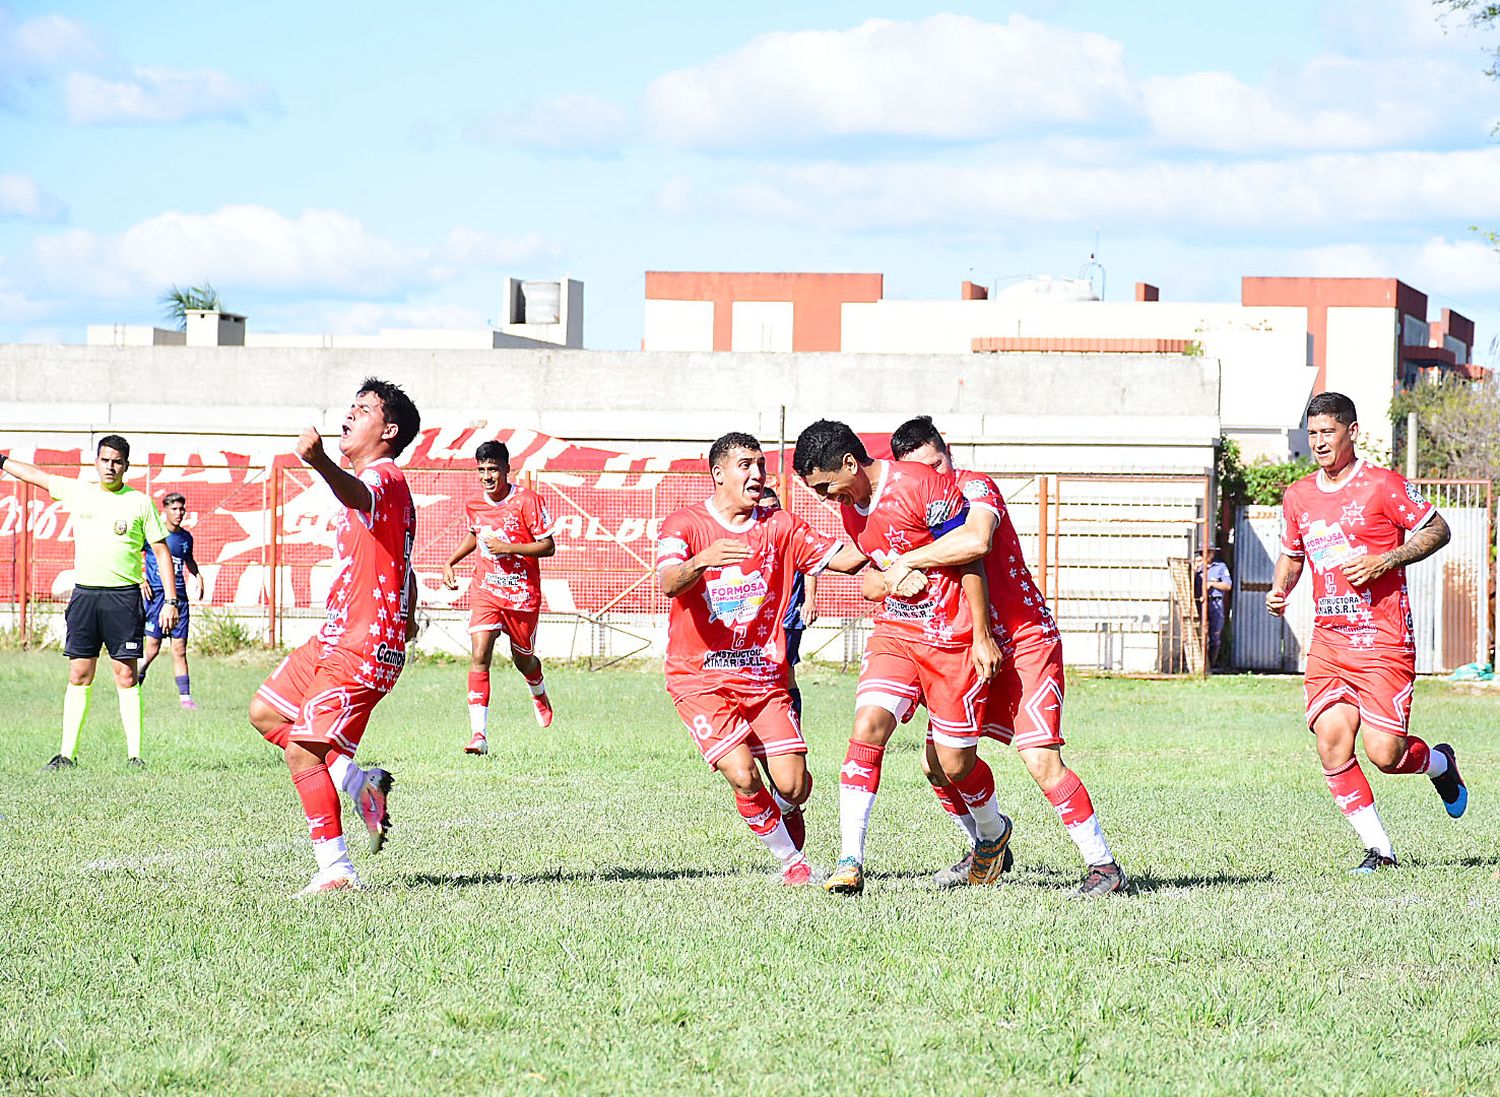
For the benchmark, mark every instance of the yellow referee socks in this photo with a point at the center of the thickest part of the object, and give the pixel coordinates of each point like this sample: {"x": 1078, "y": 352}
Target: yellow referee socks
{"x": 131, "y": 715}
{"x": 75, "y": 708}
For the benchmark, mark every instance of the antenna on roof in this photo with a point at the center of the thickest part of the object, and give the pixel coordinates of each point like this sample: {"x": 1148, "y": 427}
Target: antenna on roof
{"x": 1093, "y": 270}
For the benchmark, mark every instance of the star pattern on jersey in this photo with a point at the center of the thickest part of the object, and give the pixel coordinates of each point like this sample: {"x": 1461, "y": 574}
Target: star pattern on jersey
{"x": 1354, "y": 513}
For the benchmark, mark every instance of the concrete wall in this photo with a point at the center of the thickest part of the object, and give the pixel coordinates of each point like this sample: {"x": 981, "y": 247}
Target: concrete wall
{"x": 1056, "y": 412}
{"x": 1362, "y": 365}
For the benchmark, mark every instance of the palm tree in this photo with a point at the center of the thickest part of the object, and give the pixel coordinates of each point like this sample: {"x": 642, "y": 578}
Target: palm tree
{"x": 177, "y": 302}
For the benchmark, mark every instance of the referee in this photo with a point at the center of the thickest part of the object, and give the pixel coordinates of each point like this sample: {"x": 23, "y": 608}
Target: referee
{"x": 111, "y": 525}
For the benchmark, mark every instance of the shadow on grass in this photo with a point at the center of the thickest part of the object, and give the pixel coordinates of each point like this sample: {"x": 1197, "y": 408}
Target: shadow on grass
{"x": 1044, "y": 877}
{"x": 1454, "y": 862}
{"x": 1146, "y": 882}
{"x": 558, "y": 876}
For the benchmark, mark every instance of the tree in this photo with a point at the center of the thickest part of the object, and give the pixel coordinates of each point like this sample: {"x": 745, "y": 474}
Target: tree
{"x": 177, "y": 302}
{"x": 1458, "y": 428}
{"x": 1480, "y": 16}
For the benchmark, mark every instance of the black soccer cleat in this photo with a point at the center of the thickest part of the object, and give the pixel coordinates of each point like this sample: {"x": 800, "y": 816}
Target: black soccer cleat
{"x": 1374, "y": 861}
{"x": 59, "y": 762}
{"x": 1450, "y": 786}
{"x": 135, "y": 763}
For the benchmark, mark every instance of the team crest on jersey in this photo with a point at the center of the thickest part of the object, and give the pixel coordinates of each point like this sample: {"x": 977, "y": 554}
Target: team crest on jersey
{"x": 671, "y": 548}
{"x": 120, "y": 527}
{"x": 1414, "y": 495}
{"x": 734, "y": 597}
{"x": 975, "y": 489}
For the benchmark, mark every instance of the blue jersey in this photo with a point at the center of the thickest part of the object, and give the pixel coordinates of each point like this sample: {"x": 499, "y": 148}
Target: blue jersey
{"x": 792, "y": 618}
{"x": 180, "y": 545}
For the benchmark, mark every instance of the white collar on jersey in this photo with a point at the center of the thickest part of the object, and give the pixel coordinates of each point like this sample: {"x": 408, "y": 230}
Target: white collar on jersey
{"x": 1354, "y": 471}
{"x": 746, "y": 524}
{"x": 864, "y": 512}
{"x": 509, "y": 491}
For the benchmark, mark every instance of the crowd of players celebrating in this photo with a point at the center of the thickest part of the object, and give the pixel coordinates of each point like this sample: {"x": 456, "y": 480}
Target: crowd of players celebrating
{"x": 960, "y": 629}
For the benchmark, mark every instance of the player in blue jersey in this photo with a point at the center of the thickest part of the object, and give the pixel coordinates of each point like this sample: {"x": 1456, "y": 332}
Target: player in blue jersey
{"x": 800, "y": 612}
{"x": 180, "y": 545}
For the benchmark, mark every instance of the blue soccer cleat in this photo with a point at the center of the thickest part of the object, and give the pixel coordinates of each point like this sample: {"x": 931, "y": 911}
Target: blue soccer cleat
{"x": 1450, "y": 786}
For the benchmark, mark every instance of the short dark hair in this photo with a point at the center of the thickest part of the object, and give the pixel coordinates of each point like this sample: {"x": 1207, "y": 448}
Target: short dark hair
{"x": 822, "y": 446}
{"x": 913, "y": 434}
{"x": 1335, "y": 404}
{"x": 397, "y": 408}
{"x": 114, "y": 442}
{"x": 493, "y": 450}
{"x": 724, "y": 444}
{"x": 173, "y": 497}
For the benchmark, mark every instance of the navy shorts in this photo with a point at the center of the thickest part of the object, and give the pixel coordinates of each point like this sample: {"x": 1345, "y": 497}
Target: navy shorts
{"x": 153, "y": 622}
{"x": 110, "y": 617}
{"x": 793, "y": 646}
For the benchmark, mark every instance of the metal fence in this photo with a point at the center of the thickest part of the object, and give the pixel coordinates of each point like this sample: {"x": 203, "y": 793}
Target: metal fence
{"x": 1450, "y": 591}
{"x": 1100, "y": 547}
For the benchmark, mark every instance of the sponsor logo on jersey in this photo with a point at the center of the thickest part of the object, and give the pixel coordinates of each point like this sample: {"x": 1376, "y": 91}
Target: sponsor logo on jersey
{"x": 909, "y": 611}
{"x": 672, "y": 548}
{"x": 734, "y": 597}
{"x": 734, "y": 660}
{"x": 1341, "y": 605}
{"x": 1414, "y": 495}
{"x": 1329, "y": 546}
{"x": 388, "y": 656}
{"x": 120, "y": 527}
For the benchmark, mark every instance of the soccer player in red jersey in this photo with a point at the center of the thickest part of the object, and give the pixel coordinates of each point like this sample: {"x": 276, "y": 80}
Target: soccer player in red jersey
{"x": 316, "y": 704}
{"x": 728, "y": 565}
{"x": 1360, "y": 525}
{"x": 924, "y": 649}
{"x": 1025, "y": 701}
{"x": 512, "y": 530}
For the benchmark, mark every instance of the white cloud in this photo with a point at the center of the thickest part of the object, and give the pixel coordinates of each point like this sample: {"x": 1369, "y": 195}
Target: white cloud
{"x": 254, "y": 249}
{"x": 948, "y": 77}
{"x": 1321, "y": 194}
{"x": 46, "y": 44}
{"x": 154, "y": 94}
{"x": 21, "y": 197}
{"x": 1465, "y": 268}
{"x": 567, "y": 123}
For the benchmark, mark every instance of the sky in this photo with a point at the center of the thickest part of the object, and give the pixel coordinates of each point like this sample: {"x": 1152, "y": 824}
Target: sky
{"x": 342, "y": 167}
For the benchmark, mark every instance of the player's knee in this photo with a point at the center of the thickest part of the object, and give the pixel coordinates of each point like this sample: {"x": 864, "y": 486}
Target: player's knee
{"x": 957, "y": 764}
{"x": 932, "y": 769}
{"x": 1045, "y": 765}
{"x": 795, "y": 786}
{"x": 742, "y": 776}
{"x": 873, "y": 725}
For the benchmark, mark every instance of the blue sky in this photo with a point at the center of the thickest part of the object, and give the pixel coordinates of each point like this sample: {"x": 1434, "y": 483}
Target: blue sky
{"x": 346, "y": 167}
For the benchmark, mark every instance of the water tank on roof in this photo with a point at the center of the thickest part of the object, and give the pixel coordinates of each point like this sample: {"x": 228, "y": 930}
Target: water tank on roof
{"x": 1046, "y": 287}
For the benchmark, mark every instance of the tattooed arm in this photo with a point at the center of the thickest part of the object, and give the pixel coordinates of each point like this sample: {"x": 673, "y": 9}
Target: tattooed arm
{"x": 1420, "y": 545}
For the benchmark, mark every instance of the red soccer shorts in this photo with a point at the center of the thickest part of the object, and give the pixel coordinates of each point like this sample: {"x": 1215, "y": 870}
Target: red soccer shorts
{"x": 897, "y": 675}
{"x": 1025, "y": 701}
{"x": 1378, "y": 683}
{"x": 319, "y": 696}
{"x": 721, "y": 721}
{"x": 488, "y": 615}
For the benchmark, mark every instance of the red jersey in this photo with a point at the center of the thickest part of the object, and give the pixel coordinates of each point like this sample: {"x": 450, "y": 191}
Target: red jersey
{"x": 367, "y": 601}
{"x": 911, "y": 505}
{"x": 1370, "y": 512}
{"x": 513, "y": 581}
{"x": 1016, "y": 604}
{"x": 726, "y": 631}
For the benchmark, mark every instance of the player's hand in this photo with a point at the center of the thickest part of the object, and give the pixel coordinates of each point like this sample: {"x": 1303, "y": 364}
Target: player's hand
{"x": 1366, "y": 569}
{"x": 984, "y": 653}
{"x": 450, "y": 580}
{"x": 310, "y": 445}
{"x": 872, "y": 586}
{"x": 167, "y": 618}
{"x": 497, "y": 546}
{"x": 809, "y": 614}
{"x": 1276, "y": 601}
{"x": 722, "y": 553}
{"x": 912, "y": 583}
{"x": 146, "y": 591}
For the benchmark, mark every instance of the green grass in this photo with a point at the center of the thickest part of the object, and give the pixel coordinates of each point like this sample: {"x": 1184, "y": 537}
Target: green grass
{"x": 583, "y": 910}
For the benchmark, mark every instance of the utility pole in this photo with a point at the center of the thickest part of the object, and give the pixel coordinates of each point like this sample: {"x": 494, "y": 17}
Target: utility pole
{"x": 1411, "y": 445}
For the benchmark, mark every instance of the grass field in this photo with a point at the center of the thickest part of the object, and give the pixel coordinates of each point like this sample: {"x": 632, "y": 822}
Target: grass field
{"x": 584, "y": 911}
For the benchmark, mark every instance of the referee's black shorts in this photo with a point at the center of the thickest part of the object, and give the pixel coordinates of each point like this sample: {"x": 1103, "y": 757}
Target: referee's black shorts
{"x": 111, "y": 617}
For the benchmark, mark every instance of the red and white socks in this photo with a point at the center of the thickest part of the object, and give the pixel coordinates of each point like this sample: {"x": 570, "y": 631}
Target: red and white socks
{"x": 1418, "y": 757}
{"x": 320, "y": 803}
{"x": 957, "y": 810}
{"x": 1079, "y": 819}
{"x": 859, "y": 781}
{"x": 978, "y": 793}
{"x": 791, "y": 815}
{"x": 1351, "y": 792}
{"x": 479, "y": 701}
{"x": 763, "y": 817}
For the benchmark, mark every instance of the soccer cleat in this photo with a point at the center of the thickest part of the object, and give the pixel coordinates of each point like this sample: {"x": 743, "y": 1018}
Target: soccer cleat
{"x": 848, "y": 878}
{"x": 1373, "y": 862}
{"x": 135, "y": 763}
{"x": 371, "y": 802}
{"x": 1102, "y": 880}
{"x": 189, "y": 704}
{"x": 1450, "y": 786}
{"x": 796, "y": 874}
{"x": 543, "y": 709}
{"x": 60, "y": 762}
{"x": 335, "y": 879}
{"x": 478, "y": 745}
{"x": 989, "y": 860}
{"x": 957, "y": 875}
